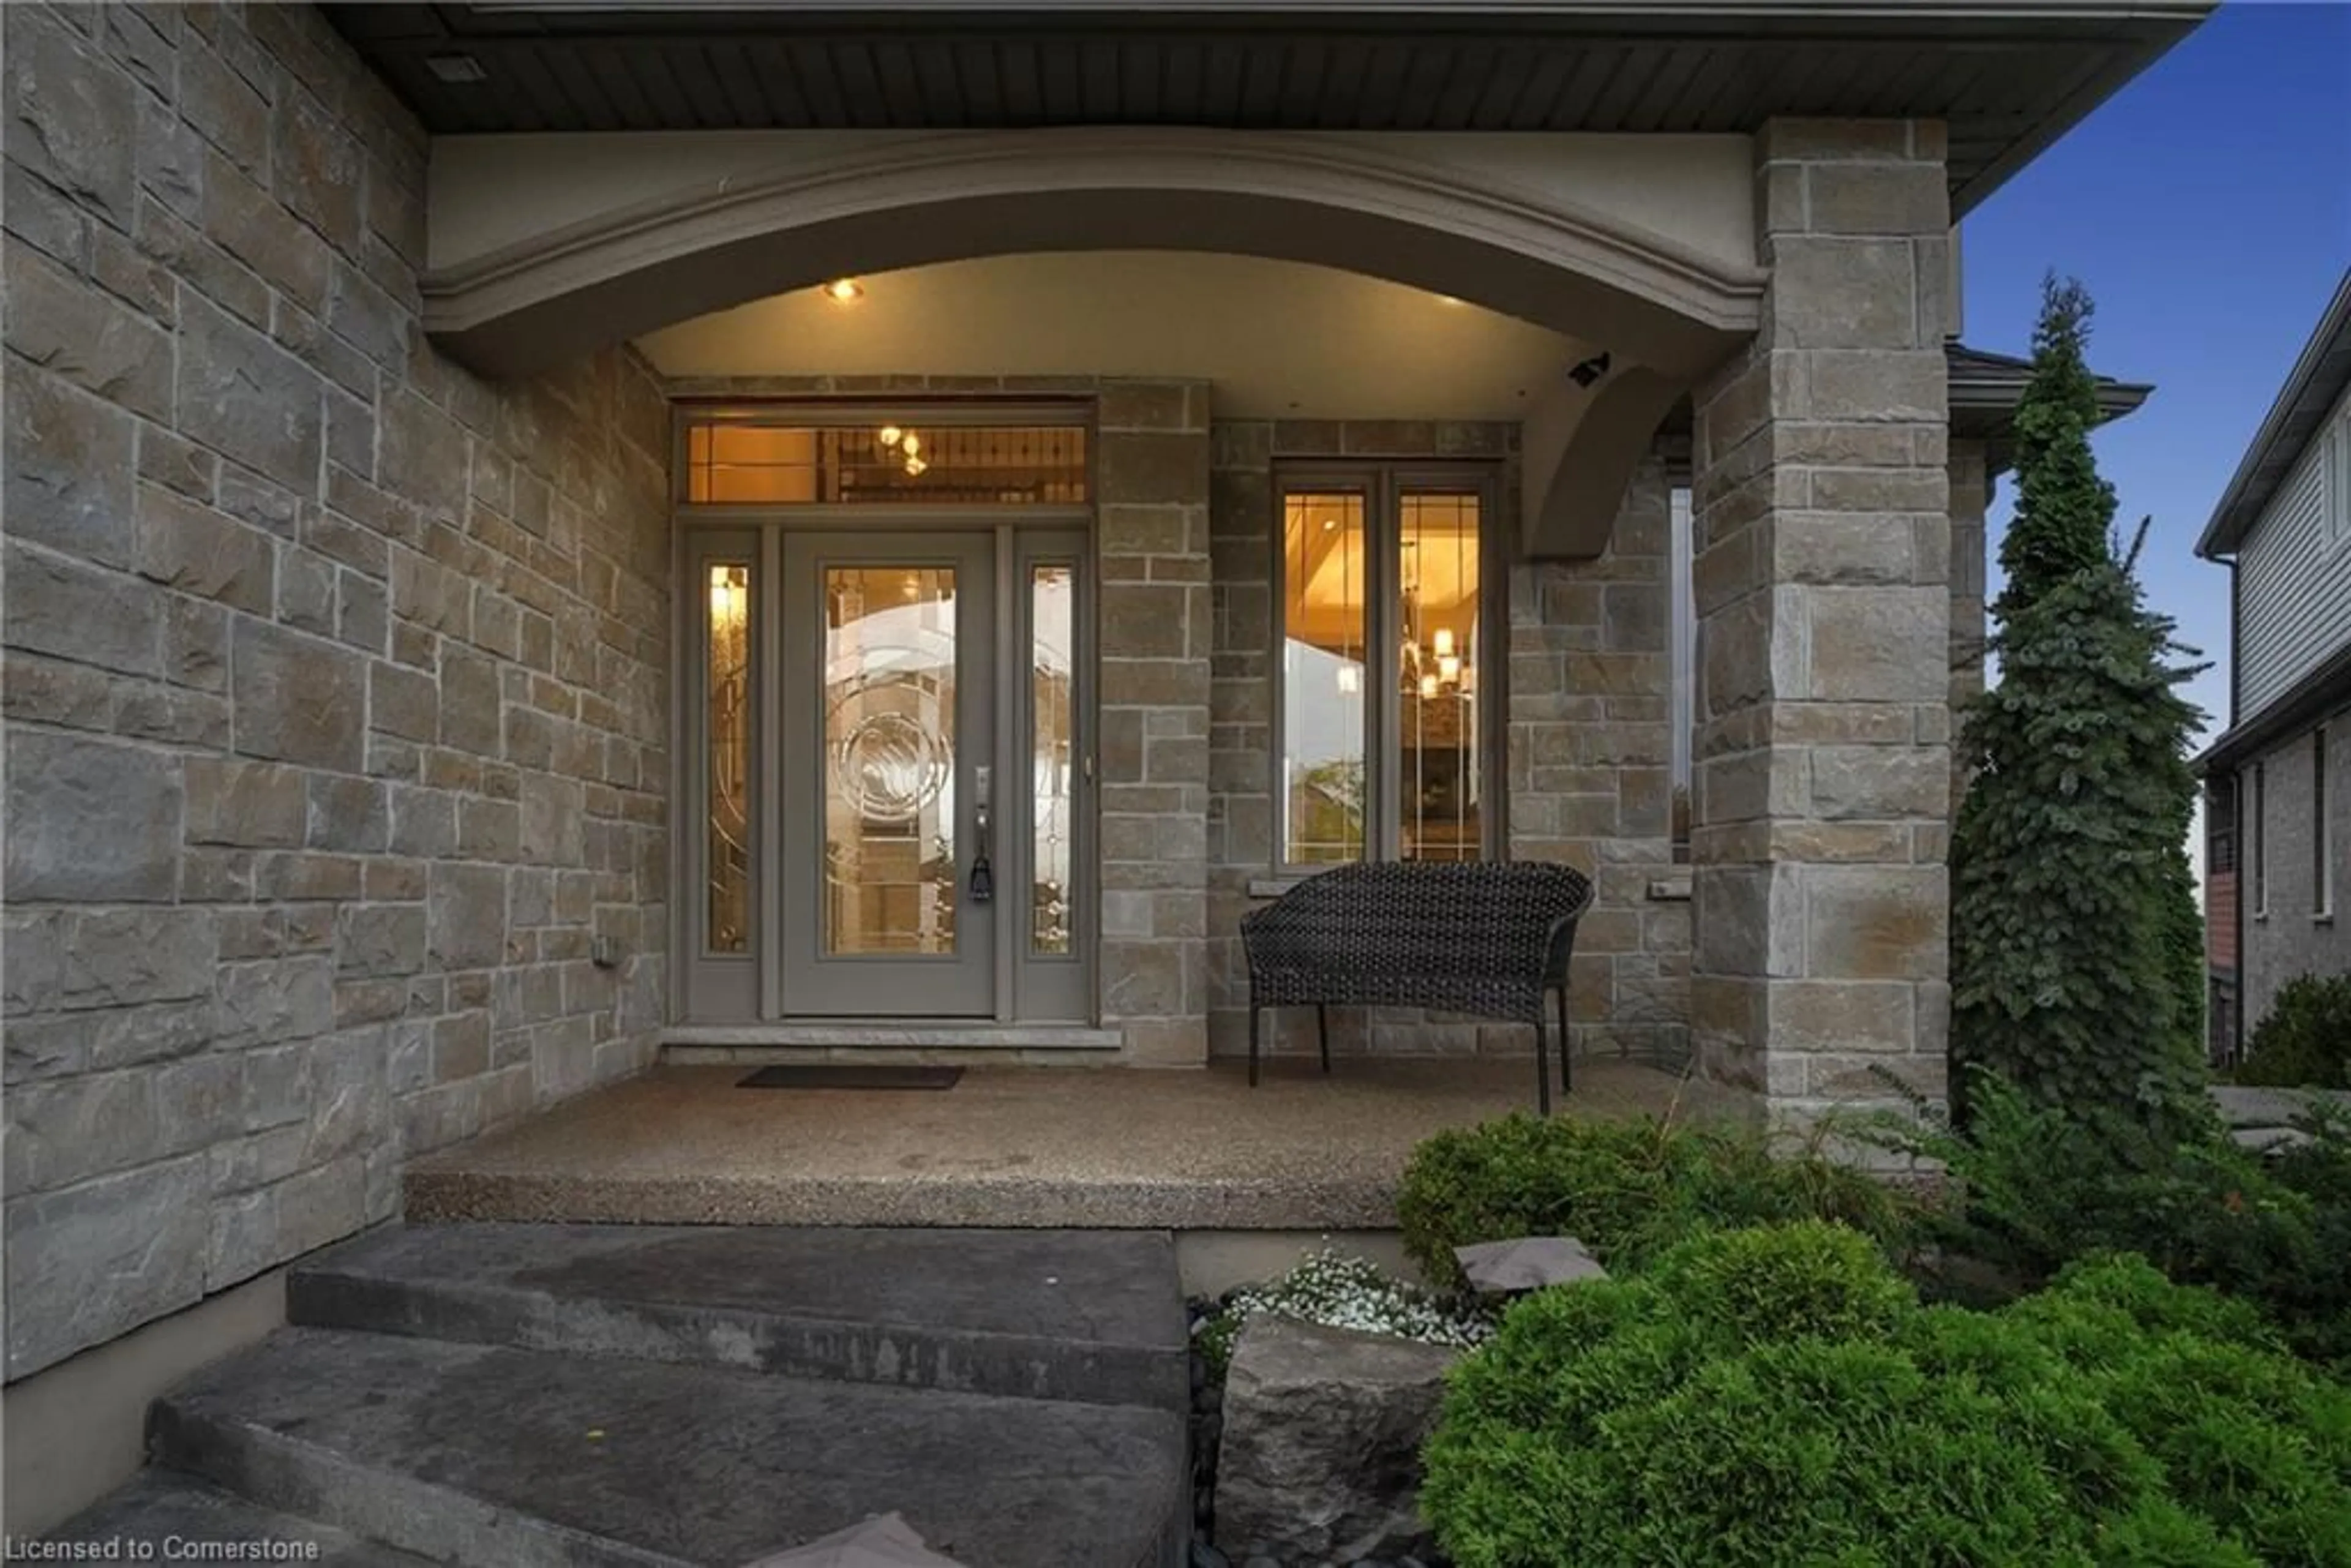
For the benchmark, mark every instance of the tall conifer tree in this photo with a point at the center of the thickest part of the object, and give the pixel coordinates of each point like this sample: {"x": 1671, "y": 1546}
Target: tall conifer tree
{"x": 2069, "y": 873}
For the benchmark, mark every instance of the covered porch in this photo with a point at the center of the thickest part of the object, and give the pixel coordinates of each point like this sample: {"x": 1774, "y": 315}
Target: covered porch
{"x": 1419, "y": 506}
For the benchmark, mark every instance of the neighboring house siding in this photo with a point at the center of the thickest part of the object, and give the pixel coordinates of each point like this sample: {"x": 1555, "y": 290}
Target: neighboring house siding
{"x": 2293, "y": 573}
{"x": 2291, "y": 939}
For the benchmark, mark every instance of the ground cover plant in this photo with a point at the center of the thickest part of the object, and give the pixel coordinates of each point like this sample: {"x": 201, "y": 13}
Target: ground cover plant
{"x": 1780, "y": 1396}
{"x": 1341, "y": 1291}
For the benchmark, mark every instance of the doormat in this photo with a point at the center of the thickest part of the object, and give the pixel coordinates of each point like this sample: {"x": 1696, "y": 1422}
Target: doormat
{"x": 851, "y": 1076}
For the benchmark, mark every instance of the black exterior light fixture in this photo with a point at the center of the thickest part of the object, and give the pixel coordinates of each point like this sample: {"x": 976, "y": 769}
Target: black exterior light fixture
{"x": 1585, "y": 372}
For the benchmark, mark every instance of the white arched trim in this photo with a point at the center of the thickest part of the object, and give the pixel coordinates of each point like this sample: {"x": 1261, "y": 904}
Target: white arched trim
{"x": 1649, "y": 299}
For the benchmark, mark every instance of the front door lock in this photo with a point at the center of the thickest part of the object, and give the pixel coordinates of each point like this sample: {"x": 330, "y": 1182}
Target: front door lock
{"x": 983, "y": 878}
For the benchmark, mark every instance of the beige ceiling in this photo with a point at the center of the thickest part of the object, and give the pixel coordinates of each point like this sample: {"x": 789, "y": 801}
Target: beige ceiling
{"x": 1276, "y": 338}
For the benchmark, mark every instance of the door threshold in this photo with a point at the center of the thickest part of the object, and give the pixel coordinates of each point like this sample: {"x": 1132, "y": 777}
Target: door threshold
{"x": 862, "y": 1034}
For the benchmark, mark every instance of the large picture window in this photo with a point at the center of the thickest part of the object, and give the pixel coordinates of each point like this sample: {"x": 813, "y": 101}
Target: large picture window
{"x": 1386, "y": 677}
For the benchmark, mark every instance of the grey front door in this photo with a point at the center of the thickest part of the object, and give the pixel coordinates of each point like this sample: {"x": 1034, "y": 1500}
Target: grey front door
{"x": 891, "y": 870}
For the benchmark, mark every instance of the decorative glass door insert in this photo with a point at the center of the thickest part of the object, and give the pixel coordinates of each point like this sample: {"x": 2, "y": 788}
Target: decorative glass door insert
{"x": 892, "y": 860}
{"x": 888, "y": 744}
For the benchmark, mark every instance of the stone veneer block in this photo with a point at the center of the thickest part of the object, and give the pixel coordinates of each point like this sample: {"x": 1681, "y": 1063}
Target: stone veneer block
{"x": 335, "y": 678}
{"x": 1827, "y": 586}
{"x": 1156, "y": 627}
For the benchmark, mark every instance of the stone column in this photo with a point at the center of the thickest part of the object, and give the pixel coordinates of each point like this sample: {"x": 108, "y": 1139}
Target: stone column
{"x": 1156, "y": 629}
{"x": 1822, "y": 532}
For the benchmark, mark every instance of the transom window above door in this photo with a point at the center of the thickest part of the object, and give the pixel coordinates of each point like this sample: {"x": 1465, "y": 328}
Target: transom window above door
{"x": 890, "y": 459}
{"x": 1387, "y": 679}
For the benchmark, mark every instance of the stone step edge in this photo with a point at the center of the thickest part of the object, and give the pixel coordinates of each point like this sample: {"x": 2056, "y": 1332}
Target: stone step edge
{"x": 780, "y": 1343}
{"x": 388, "y": 1508}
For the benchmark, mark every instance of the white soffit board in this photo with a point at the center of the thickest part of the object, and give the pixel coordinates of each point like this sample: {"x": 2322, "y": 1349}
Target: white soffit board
{"x": 1279, "y": 339}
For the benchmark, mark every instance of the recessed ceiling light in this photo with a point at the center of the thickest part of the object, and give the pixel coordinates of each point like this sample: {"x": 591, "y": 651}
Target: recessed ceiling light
{"x": 842, "y": 290}
{"x": 457, "y": 67}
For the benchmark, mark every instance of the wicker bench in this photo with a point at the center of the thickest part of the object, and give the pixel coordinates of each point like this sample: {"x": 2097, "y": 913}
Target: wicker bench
{"x": 1486, "y": 939}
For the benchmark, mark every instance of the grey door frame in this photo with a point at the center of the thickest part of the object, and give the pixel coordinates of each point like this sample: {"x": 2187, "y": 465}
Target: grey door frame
{"x": 713, "y": 983}
{"x": 1026, "y": 988}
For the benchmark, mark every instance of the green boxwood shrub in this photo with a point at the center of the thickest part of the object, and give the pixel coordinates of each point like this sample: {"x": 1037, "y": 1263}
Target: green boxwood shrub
{"x": 1781, "y": 1396}
{"x": 1627, "y": 1189}
{"x": 2305, "y": 1037}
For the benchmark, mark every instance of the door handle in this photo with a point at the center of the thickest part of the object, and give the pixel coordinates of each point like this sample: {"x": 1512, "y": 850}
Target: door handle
{"x": 983, "y": 877}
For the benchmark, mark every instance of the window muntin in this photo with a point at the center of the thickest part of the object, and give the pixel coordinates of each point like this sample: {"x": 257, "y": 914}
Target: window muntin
{"x": 1387, "y": 613}
{"x": 895, "y": 460}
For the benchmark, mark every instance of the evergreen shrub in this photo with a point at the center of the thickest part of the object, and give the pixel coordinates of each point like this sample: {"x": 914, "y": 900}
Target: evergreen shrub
{"x": 1626, "y": 1189}
{"x": 1781, "y": 1396}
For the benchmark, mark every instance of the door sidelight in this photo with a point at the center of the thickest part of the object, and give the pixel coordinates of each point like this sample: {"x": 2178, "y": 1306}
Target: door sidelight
{"x": 983, "y": 877}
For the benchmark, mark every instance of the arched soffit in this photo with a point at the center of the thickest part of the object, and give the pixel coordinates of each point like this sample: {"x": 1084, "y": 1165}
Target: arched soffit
{"x": 1581, "y": 449}
{"x": 1650, "y": 299}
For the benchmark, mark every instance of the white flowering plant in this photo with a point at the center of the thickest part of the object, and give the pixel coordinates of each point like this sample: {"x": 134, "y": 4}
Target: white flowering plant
{"x": 1341, "y": 1291}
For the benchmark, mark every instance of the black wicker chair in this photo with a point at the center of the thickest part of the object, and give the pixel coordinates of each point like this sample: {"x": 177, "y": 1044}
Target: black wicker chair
{"x": 1484, "y": 938}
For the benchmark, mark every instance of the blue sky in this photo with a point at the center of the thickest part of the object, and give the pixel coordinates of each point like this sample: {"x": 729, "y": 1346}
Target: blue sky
{"x": 2207, "y": 207}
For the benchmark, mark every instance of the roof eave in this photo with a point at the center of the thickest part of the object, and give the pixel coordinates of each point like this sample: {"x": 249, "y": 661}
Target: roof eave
{"x": 2249, "y": 491}
{"x": 2321, "y": 692}
{"x": 1986, "y": 388}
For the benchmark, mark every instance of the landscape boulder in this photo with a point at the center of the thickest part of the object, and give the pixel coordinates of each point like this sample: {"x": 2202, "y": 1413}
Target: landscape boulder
{"x": 1526, "y": 1263}
{"x": 1323, "y": 1430}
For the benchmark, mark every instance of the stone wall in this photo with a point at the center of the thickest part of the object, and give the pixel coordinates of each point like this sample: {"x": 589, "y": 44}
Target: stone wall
{"x": 1823, "y": 584}
{"x": 1590, "y": 770}
{"x": 1587, "y": 741}
{"x": 336, "y": 678}
{"x": 1156, "y": 628}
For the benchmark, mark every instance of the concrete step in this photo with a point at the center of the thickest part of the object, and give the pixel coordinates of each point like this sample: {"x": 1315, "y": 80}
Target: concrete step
{"x": 487, "y": 1457}
{"x": 164, "y": 1508}
{"x": 1090, "y": 1316}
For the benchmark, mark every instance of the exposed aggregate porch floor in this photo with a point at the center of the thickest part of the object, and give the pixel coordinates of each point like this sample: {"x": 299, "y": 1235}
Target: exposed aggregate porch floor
{"x": 1008, "y": 1146}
